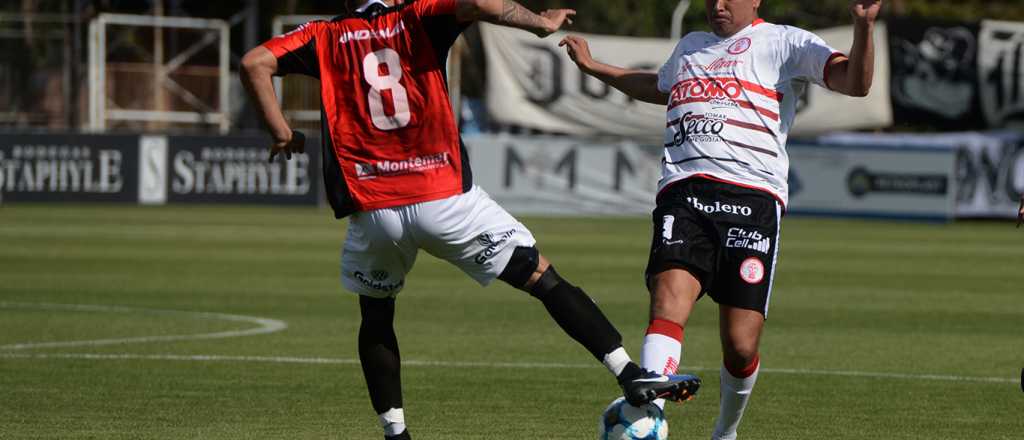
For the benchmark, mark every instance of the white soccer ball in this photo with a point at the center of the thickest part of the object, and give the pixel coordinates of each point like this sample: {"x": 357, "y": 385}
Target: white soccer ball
{"x": 622, "y": 421}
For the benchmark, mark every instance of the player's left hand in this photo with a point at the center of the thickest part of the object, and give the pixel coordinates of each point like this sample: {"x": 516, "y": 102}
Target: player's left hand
{"x": 865, "y": 11}
{"x": 555, "y": 18}
{"x": 295, "y": 144}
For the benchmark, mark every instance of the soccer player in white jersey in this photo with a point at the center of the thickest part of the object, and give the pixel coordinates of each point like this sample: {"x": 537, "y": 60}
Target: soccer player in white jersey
{"x": 731, "y": 98}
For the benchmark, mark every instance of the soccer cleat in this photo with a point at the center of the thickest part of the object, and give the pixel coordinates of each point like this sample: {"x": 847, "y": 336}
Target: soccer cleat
{"x": 403, "y": 436}
{"x": 650, "y": 386}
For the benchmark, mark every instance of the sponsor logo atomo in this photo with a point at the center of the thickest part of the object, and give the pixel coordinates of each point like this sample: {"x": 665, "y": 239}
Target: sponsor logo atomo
{"x": 699, "y": 128}
{"x": 718, "y": 91}
{"x": 492, "y": 245}
{"x": 61, "y": 168}
{"x": 376, "y": 281}
{"x": 743, "y": 239}
{"x": 229, "y": 170}
{"x": 719, "y": 207}
{"x": 386, "y": 168}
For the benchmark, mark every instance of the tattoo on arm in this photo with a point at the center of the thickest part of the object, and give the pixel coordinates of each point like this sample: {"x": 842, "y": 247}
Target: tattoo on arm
{"x": 514, "y": 14}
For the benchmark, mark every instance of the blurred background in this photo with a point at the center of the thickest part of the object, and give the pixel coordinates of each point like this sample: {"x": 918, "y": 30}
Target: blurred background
{"x": 950, "y": 78}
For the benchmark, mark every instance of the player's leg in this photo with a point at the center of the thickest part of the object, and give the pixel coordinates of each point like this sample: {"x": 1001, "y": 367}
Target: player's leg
{"x": 673, "y": 295}
{"x": 474, "y": 233}
{"x": 740, "y": 331}
{"x": 682, "y": 255}
{"x": 743, "y": 287}
{"x": 580, "y": 317}
{"x": 381, "y": 362}
{"x": 377, "y": 256}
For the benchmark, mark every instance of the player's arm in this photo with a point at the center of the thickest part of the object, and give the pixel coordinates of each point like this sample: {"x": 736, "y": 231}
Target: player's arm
{"x": 853, "y": 75}
{"x": 258, "y": 66}
{"x": 638, "y": 84}
{"x": 510, "y": 13}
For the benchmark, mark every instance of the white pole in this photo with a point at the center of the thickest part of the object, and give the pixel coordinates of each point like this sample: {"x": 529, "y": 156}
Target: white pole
{"x": 225, "y": 72}
{"x": 677, "y": 19}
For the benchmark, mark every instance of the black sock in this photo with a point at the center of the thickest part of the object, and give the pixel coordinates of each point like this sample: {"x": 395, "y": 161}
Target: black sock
{"x": 378, "y": 353}
{"x": 577, "y": 314}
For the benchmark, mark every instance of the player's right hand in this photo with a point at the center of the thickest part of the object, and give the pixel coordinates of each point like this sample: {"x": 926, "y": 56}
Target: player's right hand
{"x": 296, "y": 143}
{"x": 555, "y": 18}
{"x": 579, "y": 51}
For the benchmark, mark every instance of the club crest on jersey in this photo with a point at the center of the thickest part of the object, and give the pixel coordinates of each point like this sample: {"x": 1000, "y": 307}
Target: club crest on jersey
{"x": 752, "y": 270}
{"x": 739, "y": 46}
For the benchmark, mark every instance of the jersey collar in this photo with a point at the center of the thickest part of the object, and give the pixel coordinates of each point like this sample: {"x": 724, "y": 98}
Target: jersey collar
{"x": 367, "y": 4}
{"x": 741, "y": 31}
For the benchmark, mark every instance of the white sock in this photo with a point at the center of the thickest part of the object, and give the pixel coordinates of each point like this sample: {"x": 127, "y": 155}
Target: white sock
{"x": 663, "y": 349}
{"x": 616, "y": 361}
{"x": 735, "y": 392}
{"x": 393, "y": 421}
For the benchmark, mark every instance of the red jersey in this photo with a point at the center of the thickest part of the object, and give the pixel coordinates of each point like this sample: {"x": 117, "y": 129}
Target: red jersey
{"x": 390, "y": 137}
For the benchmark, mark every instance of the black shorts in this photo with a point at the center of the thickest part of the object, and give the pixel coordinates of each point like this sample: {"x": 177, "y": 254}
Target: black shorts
{"x": 725, "y": 235}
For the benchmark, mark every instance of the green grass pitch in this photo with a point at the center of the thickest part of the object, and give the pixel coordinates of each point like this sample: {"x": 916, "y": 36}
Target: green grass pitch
{"x": 877, "y": 330}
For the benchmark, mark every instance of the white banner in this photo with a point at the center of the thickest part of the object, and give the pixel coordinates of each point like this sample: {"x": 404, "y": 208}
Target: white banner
{"x": 989, "y": 166}
{"x": 1001, "y": 71}
{"x": 564, "y": 176}
{"x": 533, "y": 83}
{"x": 872, "y": 181}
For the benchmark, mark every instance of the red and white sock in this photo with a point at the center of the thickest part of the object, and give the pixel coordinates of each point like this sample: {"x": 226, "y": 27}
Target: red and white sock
{"x": 735, "y": 391}
{"x": 663, "y": 349}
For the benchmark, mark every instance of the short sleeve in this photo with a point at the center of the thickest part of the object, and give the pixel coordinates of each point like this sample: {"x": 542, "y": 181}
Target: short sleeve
{"x": 669, "y": 72}
{"x": 428, "y": 8}
{"x": 296, "y": 50}
{"x": 807, "y": 56}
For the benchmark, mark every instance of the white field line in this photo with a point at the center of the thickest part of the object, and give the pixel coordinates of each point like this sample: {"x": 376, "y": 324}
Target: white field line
{"x": 486, "y": 365}
{"x": 264, "y": 325}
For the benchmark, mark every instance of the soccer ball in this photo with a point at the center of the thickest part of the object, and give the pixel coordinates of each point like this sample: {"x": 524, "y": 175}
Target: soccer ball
{"x": 622, "y": 421}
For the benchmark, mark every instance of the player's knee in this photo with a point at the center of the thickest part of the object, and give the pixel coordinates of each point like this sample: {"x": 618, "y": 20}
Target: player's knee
{"x": 741, "y": 359}
{"x": 521, "y": 267}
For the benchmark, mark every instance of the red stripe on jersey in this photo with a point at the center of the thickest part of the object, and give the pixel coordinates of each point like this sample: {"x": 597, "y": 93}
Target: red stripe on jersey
{"x": 751, "y": 147}
{"x": 741, "y": 103}
{"x": 749, "y": 126}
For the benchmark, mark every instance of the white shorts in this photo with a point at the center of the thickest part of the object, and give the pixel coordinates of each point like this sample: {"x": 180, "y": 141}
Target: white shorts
{"x": 469, "y": 230}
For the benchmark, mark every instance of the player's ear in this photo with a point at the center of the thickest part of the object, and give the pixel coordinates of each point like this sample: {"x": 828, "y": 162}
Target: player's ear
{"x": 757, "y": 4}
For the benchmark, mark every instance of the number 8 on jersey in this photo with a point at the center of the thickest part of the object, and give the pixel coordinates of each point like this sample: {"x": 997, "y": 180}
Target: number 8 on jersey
{"x": 382, "y": 70}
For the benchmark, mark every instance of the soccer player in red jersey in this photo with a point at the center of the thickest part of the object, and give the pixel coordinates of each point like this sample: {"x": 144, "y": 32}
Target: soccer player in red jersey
{"x": 731, "y": 99}
{"x": 394, "y": 163}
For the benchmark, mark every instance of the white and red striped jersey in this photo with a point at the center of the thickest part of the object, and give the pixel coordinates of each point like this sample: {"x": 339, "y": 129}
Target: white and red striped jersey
{"x": 732, "y": 103}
